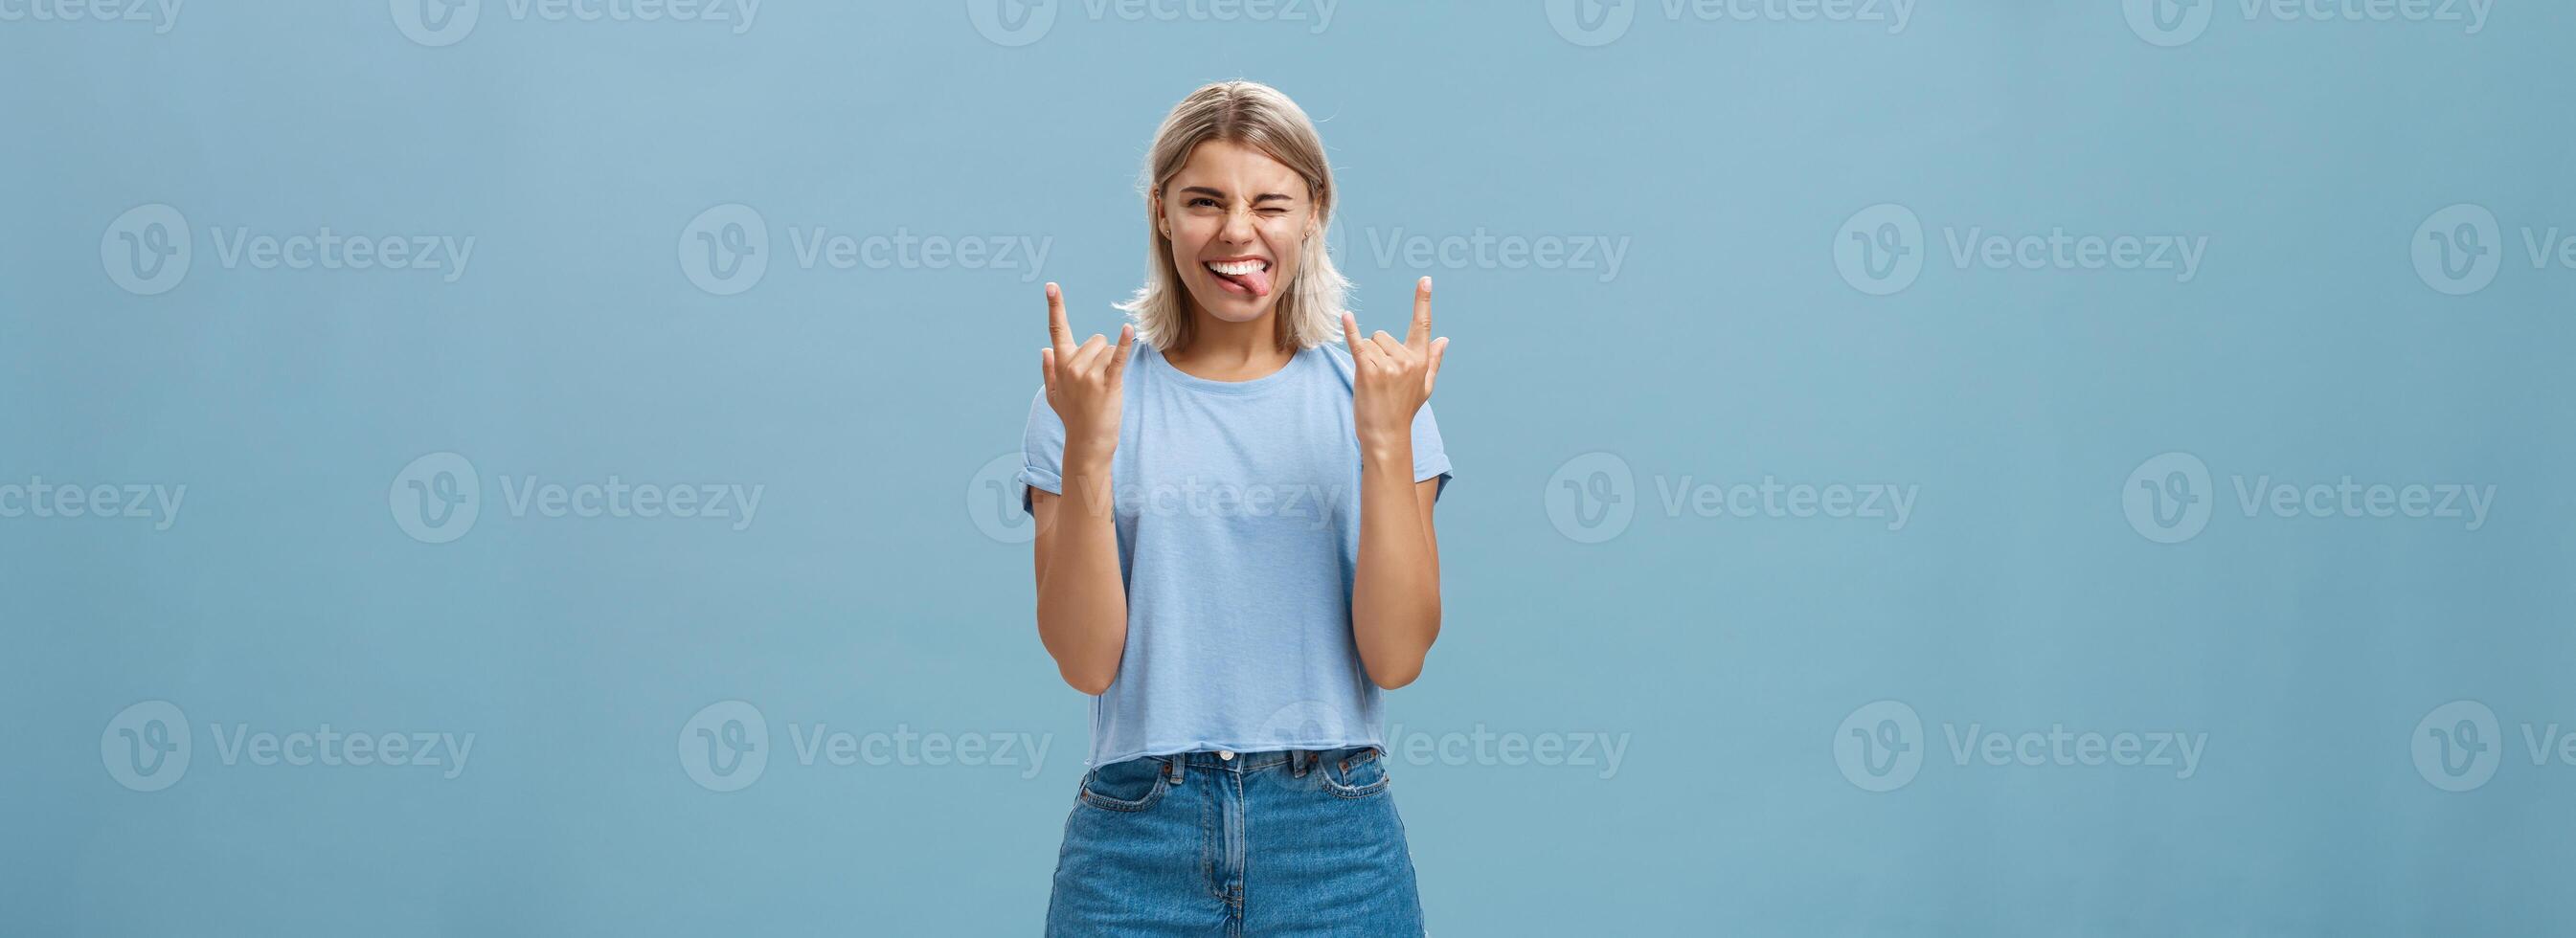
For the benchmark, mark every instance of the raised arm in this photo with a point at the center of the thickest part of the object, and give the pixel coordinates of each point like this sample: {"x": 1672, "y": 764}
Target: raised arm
{"x": 1082, "y": 603}
{"x": 1395, "y": 598}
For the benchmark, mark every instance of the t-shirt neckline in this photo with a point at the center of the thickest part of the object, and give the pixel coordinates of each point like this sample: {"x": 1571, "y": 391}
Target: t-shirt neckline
{"x": 1252, "y": 386}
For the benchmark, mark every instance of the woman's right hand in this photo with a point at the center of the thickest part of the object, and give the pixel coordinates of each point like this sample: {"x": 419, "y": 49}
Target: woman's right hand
{"x": 1083, "y": 382}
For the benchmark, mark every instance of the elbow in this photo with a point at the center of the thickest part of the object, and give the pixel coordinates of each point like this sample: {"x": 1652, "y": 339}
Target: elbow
{"x": 1395, "y": 676}
{"x": 1392, "y": 675}
{"x": 1091, "y": 685}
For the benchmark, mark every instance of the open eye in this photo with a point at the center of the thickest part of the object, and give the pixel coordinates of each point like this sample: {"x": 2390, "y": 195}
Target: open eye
{"x": 1200, "y": 200}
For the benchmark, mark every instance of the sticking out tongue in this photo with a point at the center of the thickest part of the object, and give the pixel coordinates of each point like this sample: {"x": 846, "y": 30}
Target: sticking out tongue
{"x": 1256, "y": 283}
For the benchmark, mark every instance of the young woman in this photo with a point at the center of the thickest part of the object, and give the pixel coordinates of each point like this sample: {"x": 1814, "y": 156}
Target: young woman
{"x": 1235, "y": 553}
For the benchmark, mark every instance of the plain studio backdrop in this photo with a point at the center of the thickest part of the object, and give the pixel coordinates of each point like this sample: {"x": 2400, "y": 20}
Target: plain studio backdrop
{"x": 2002, "y": 468}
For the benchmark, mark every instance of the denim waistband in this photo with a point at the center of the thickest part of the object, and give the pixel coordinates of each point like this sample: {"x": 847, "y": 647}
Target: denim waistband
{"x": 1297, "y": 761}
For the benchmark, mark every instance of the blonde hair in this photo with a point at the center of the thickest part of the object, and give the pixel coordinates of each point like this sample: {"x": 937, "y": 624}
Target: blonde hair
{"x": 1255, "y": 115}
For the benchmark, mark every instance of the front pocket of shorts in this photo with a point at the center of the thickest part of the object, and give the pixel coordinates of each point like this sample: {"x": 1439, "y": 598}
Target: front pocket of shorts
{"x": 1358, "y": 775}
{"x": 1133, "y": 785}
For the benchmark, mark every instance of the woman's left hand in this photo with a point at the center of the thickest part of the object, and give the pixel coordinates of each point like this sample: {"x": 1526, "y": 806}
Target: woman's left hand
{"x": 1393, "y": 378}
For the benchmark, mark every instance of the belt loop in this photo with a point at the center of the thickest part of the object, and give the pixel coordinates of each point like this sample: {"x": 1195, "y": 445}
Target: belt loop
{"x": 1172, "y": 767}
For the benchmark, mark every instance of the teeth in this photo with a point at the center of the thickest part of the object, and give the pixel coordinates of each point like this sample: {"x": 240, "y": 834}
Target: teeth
{"x": 1238, "y": 268}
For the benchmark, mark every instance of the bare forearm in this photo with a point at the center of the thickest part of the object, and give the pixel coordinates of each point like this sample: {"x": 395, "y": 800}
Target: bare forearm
{"x": 1082, "y": 601}
{"x": 1395, "y": 599}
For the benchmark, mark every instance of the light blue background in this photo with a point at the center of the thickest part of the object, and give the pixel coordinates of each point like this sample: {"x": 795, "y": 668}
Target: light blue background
{"x": 866, "y": 596}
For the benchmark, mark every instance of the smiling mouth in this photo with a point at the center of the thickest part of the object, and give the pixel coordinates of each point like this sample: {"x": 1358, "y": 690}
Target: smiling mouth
{"x": 1246, "y": 277}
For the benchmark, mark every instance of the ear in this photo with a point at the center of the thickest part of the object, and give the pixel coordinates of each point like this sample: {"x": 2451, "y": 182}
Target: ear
{"x": 1161, "y": 226}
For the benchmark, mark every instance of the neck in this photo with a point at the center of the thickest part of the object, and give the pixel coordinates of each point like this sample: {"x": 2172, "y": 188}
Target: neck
{"x": 1218, "y": 348}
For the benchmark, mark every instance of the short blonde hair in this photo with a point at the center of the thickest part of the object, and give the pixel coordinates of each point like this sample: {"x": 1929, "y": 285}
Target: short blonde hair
{"x": 1255, "y": 115}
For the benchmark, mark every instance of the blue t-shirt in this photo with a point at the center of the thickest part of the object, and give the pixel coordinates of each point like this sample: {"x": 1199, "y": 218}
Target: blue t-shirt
{"x": 1238, "y": 514}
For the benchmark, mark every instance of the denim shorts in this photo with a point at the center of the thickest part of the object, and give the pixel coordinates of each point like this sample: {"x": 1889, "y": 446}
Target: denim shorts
{"x": 1287, "y": 842}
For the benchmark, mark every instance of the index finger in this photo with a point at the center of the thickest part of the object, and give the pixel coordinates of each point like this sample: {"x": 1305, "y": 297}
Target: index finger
{"x": 1421, "y": 330}
{"x": 1058, "y": 333}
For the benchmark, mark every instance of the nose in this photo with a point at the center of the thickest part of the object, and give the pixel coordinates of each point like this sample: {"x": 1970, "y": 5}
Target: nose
{"x": 1238, "y": 226}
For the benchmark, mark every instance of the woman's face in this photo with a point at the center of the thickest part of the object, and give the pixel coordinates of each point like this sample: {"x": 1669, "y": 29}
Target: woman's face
{"x": 1236, "y": 219}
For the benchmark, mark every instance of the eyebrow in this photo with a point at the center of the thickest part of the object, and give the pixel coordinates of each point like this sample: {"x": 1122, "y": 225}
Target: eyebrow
{"x": 1256, "y": 200}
